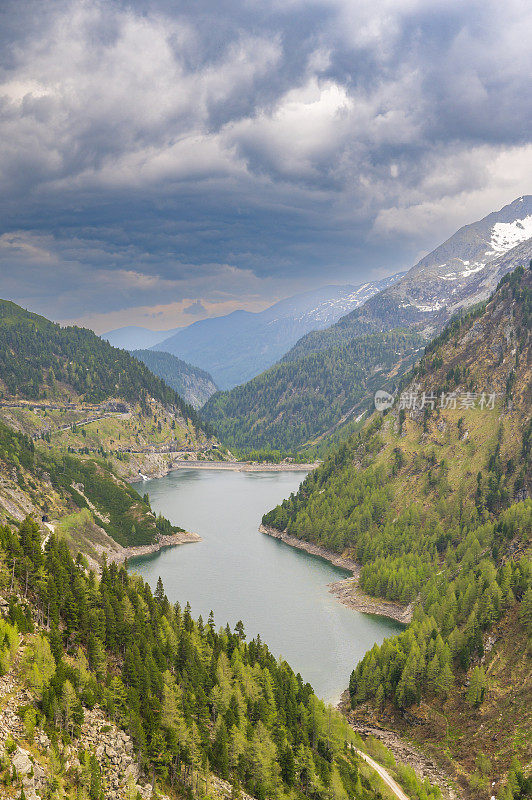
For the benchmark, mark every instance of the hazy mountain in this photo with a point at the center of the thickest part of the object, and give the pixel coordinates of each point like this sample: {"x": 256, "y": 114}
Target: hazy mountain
{"x": 134, "y": 337}
{"x": 463, "y": 270}
{"x": 193, "y": 384}
{"x": 238, "y": 346}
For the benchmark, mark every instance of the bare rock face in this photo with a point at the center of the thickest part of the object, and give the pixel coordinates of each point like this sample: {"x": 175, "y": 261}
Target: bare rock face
{"x": 30, "y": 793}
{"x": 22, "y": 762}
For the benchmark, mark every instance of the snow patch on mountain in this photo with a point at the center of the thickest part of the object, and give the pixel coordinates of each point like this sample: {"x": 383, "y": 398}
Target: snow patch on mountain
{"x": 424, "y": 308}
{"x": 236, "y": 347}
{"x": 506, "y": 235}
{"x": 332, "y": 308}
{"x": 475, "y": 267}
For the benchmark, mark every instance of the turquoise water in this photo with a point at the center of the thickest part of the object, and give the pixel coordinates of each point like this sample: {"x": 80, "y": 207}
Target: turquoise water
{"x": 239, "y": 573}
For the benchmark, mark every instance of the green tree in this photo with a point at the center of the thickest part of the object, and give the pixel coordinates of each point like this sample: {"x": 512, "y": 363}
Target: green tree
{"x": 525, "y": 610}
{"x": 477, "y": 687}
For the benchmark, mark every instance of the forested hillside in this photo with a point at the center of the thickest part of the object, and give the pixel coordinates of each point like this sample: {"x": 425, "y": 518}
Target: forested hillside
{"x": 71, "y": 392}
{"x": 293, "y": 403}
{"x": 431, "y": 499}
{"x": 193, "y": 384}
{"x": 58, "y": 485}
{"x": 75, "y": 414}
{"x": 191, "y": 697}
{"x": 40, "y": 359}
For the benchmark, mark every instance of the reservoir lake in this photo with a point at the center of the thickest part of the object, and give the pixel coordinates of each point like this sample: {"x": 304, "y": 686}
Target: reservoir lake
{"x": 239, "y": 573}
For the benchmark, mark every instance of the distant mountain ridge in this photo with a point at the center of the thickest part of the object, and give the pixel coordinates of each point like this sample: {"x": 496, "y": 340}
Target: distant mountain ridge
{"x": 238, "y": 346}
{"x": 463, "y": 270}
{"x": 134, "y": 337}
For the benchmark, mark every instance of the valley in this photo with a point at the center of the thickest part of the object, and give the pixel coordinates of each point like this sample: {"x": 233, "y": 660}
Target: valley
{"x": 319, "y": 389}
{"x": 265, "y": 400}
{"x": 399, "y": 565}
{"x": 235, "y": 348}
{"x": 81, "y": 639}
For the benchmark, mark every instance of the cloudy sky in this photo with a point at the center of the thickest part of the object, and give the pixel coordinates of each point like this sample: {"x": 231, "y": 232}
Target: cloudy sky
{"x": 161, "y": 161}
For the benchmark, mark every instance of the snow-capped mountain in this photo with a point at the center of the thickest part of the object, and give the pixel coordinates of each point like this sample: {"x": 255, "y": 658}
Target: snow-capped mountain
{"x": 465, "y": 269}
{"x": 236, "y": 347}
{"x": 445, "y": 277}
{"x": 337, "y": 301}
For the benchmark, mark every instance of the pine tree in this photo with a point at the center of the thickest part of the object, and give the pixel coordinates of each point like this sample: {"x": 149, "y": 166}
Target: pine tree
{"x": 445, "y": 680}
{"x": 477, "y": 687}
{"x": 159, "y": 591}
{"x": 525, "y": 610}
{"x": 95, "y": 789}
{"x": 220, "y": 751}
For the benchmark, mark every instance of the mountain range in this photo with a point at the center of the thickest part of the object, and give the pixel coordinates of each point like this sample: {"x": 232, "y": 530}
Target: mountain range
{"x": 463, "y": 270}
{"x": 328, "y": 378}
{"x": 236, "y": 347}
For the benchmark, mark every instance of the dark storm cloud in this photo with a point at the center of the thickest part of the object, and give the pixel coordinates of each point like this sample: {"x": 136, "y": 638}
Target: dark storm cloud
{"x": 157, "y": 152}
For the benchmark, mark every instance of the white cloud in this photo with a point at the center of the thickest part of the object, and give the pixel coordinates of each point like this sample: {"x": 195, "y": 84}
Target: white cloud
{"x": 307, "y": 124}
{"x": 442, "y": 203}
{"x": 272, "y": 137}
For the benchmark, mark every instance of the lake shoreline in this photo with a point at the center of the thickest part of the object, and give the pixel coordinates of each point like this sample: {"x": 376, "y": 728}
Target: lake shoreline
{"x": 347, "y": 591}
{"x": 244, "y": 466}
{"x": 239, "y": 574}
{"x": 160, "y": 471}
{"x": 163, "y": 542}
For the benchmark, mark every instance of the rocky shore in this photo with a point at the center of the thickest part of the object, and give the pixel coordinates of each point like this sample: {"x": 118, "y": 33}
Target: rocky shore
{"x": 346, "y": 591}
{"x": 244, "y": 466}
{"x": 184, "y": 537}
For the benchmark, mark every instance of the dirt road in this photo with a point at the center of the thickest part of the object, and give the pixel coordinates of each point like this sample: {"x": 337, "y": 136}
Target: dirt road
{"x": 386, "y": 777}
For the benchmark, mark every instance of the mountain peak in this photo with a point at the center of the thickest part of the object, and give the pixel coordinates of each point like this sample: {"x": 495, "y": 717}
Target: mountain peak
{"x": 463, "y": 270}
